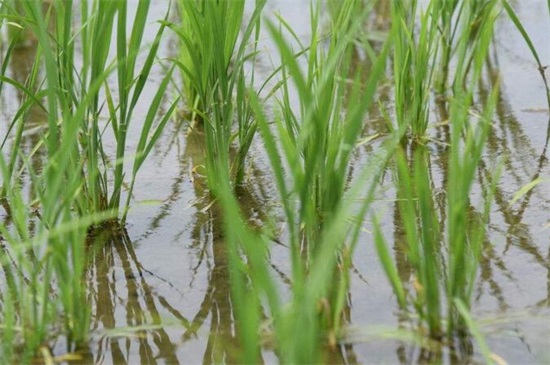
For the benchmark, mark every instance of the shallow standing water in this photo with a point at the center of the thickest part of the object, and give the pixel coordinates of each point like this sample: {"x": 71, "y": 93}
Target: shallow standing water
{"x": 160, "y": 293}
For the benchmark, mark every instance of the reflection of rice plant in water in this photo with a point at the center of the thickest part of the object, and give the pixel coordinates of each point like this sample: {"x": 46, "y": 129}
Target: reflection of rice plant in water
{"x": 79, "y": 131}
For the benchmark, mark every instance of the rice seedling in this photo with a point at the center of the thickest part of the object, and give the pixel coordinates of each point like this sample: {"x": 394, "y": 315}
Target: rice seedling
{"x": 446, "y": 10}
{"x": 424, "y": 238}
{"x": 465, "y": 158}
{"x": 413, "y": 64}
{"x": 298, "y": 330}
{"x": 212, "y": 63}
{"x": 476, "y": 18}
{"x": 309, "y": 156}
{"x": 43, "y": 259}
{"x": 453, "y": 17}
{"x": 446, "y": 262}
{"x": 44, "y": 256}
{"x": 50, "y": 251}
{"x": 80, "y": 81}
{"x": 131, "y": 83}
{"x": 424, "y": 41}
{"x": 317, "y": 140}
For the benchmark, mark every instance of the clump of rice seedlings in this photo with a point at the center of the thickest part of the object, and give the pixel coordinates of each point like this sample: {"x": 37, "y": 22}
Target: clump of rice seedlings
{"x": 212, "y": 63}
{"x": 446, "y": 255}
{"x": 453, "y": 17}
{"x": 466, "y": 237}
{"x": 131, "y": 81}
{"x": 445, "y": 262}
{"x": 424, "y": 41}
{"x": 297, "y": 326}
{"x": 317, "y": 138}
{"x": 45, "y": 235}
{"x": 81, "y": 76}
{"x": 309, "y": 151}
{"x": 413, "y": 64}
{"x": 43, "y": 260}
{"x": 43, "y": 256}
{"x": 85, "y": 95}
{"x": 246, "y": 123}
{"x": 195, "y": 58}
{"x": 309, "y": 155}
{"x": 209, "y": 35}
{"x": 50, "y": 250}
{"x": 424, "y": 238}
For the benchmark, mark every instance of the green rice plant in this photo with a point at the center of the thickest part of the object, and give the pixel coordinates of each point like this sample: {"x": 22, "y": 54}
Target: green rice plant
{"x": 424, "y": 238}
{"x": 310, "y": 155}
{"x": 445, "y": 255}
{"x": 465, "y": 238}
{"x": 195, "y": 58}
{"x": 52, "y": 250}
{"x": 335, "y": 8}
{"x": 47, "y": 258}
{"x": 131, "y": 83}
{"x": 79, "y": 75}
{"x": 212, "y": 63}
{"x": 445, "y": 263}
{"x": 413, "y": 64}
{"x": 25, "y": 312}
{"x": 316, "y": 141}
{"x": 446, "y": 11}
{"x": 209, "y": 33}
{"x": 44, "y": 265}
{"x": 246, "y": 124}
{"x": 296, "y": 326}
{"x": 454, "y": 18}
{"x": 476, "y": 17}
{"x": 44, "y": 253}
{"x": 424, "y": 47}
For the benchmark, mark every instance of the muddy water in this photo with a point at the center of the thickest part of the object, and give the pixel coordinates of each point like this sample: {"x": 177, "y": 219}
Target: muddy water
{"x": 160, "y": 292}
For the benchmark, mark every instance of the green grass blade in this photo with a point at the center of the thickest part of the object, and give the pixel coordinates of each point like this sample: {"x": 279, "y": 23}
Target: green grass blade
{"x": 388, "y": 264}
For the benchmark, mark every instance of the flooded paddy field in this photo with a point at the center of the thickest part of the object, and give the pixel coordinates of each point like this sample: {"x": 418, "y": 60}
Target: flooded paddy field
{"x": 160, "y": 279}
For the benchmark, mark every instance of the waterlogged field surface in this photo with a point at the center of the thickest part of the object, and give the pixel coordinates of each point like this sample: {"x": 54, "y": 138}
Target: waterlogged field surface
{"x": 160, "y": 293}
